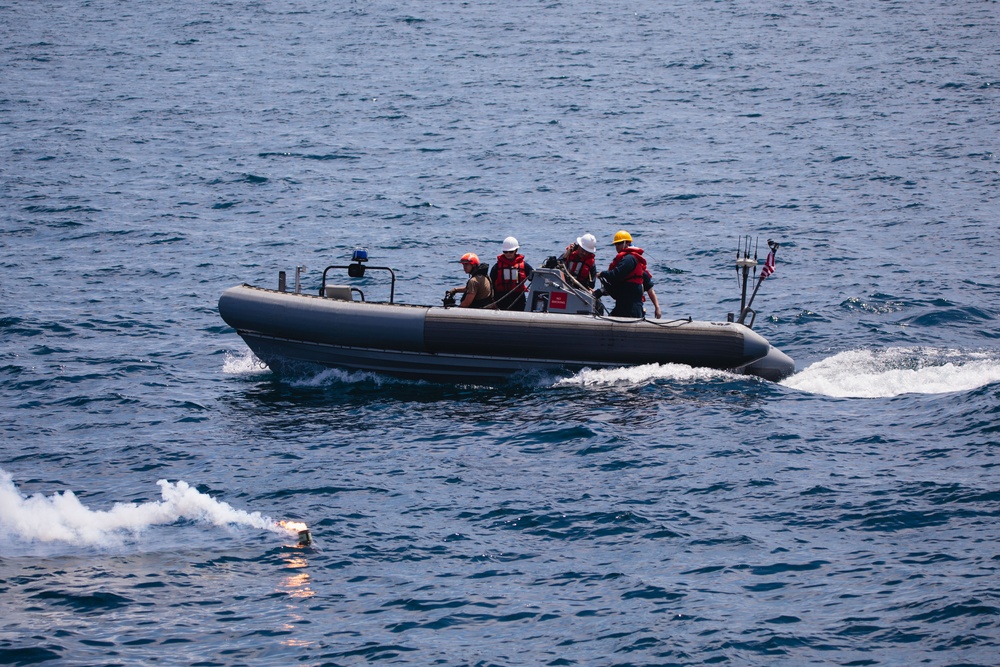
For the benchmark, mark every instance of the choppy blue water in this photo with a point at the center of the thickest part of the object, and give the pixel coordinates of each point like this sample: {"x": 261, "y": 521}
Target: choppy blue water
{"x": 154, "y": 154}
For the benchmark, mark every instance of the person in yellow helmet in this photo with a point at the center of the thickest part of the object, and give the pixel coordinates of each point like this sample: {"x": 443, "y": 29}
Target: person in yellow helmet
{"x": 478, "y": 290}
{"x": 625, "y": 277}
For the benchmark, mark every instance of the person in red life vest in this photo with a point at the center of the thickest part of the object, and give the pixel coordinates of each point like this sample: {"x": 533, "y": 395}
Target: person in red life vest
{"x": 509, "y": 276}
{"x": 579, "y": 260}
{"x": 624, "y": 277}
{"x": 478, "y": 291}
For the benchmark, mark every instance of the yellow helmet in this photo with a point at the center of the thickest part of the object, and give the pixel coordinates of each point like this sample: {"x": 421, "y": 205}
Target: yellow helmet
{"x": 622, "y": 236}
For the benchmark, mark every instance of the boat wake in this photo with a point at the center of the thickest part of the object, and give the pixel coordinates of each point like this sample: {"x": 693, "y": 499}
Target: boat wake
{"x": 897, "y": 370}
{"x": 61, "y": 517}
{"x": 249, "y": 364}
{"x": 245, "y": 363}
{"x": 638, "y": 375}
{"x": 331, "y": 376}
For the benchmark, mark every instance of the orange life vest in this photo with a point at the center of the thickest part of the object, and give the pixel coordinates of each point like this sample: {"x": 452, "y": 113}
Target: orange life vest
{"x": 581, "y": 264}
{"x": 635, "y": 277}
{"x": 511, "y": 274}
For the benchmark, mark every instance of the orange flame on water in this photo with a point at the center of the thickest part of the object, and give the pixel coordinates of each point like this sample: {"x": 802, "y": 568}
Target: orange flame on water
{"x": 295, "y": 527}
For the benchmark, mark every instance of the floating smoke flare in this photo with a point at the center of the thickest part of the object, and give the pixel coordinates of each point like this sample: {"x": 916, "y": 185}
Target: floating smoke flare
{"x": 61, "y": 517}
{"x": 298, "y": 528}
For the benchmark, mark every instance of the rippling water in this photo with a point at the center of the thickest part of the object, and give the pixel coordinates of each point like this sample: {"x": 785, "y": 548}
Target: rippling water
{"x": 154, "y": 155}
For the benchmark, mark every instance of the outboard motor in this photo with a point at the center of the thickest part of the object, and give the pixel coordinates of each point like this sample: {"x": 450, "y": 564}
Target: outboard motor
{"x": 550, "y": 293}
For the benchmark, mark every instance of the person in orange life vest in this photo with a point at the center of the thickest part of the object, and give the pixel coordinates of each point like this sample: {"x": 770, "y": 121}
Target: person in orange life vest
{"x": 579, "y": 260}
{"x": 478, "y": 291}
{"x": 509, "y": 275}
{"x": 624, "y": 277}
{"x": 647, "y": 287}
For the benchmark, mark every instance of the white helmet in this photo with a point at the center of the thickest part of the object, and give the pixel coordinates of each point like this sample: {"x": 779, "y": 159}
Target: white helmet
{"x": 509, "y": 243}
{"x": 588, "y": 243}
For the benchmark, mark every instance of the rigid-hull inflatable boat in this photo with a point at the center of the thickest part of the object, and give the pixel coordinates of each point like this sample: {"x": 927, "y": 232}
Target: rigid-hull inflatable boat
{"x": 560, "y": 332}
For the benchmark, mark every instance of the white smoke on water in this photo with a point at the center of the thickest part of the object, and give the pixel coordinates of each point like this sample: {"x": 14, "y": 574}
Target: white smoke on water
{"x": 61, "y": 517}
{"x": 895, "y": 371}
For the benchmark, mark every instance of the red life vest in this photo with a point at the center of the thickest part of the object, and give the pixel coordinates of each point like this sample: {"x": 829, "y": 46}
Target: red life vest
{"x": 581, "y": 264}
{"x": 510, "y": 274}
{"x": 635, "y": 277}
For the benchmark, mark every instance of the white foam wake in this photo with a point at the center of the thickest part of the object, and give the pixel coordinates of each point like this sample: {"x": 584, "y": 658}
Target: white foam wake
{"x": 61, "y": 517}
{"x": 243, "y": 364}
{"x": 897, "y": 370}
{"x": 331, "y": 376}
{"x": 247, "y": 363}
{"x": 632, "y": 375}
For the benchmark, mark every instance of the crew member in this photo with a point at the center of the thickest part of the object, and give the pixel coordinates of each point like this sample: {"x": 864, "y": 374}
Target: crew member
{"x": 509, "y": 276}
{"x": 579, "y": 260}
{"x": 478, "y": 290}
{"x": 624, "y": 277}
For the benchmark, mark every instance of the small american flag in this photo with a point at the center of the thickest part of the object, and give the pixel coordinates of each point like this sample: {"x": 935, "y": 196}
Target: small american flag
{"x": 768, "y": 266}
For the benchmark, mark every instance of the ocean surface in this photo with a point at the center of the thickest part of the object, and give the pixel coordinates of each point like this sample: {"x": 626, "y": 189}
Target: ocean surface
{"x": 154, "y": 154}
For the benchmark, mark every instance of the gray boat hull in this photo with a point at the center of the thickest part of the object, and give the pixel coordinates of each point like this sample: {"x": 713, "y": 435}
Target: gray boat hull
{"x": 285, "y": 330}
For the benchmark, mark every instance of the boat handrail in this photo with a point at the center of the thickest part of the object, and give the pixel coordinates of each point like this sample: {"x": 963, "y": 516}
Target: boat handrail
{"x": 357, "y": 270}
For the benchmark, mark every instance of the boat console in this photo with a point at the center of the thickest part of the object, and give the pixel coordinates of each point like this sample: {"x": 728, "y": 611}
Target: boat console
{"x": 551, "y": 293}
